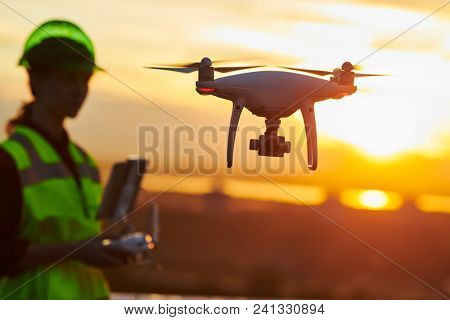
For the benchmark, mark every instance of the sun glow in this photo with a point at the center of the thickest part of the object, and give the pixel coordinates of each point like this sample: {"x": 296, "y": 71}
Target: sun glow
{"x": 373, "y": 125}
{"x": 371, "y": 199}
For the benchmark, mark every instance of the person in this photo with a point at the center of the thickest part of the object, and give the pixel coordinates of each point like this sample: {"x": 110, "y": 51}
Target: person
{"x": 49, "y": 186}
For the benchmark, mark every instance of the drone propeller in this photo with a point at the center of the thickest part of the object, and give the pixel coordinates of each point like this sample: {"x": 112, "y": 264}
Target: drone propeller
{"x": 192, "y": 69}
{"x": 194, "y": 66}
{"x": 359, "y": 75}
{"x": 346, "y": 66}
{"x": 206, "y": 62}
{"x": 231, "y": 69}
{"x": 182, "y": 70}
{"x": 317, "y": 72}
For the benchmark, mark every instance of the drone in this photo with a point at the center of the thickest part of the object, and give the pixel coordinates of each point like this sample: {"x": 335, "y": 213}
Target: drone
{"x": 272, "y": 95}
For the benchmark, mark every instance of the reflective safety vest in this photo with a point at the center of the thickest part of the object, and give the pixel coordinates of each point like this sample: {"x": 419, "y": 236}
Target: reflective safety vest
{"x": 55, "y": 209}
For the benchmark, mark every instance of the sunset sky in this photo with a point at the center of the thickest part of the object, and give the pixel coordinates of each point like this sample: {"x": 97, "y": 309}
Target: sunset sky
{"x": 406, "y": 113}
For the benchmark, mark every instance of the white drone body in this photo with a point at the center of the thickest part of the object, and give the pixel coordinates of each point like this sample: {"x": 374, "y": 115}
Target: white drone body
{"x": 273, "y": 95}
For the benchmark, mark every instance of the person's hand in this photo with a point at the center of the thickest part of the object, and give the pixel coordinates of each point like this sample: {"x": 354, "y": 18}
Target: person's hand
{"x": 96, "y": 254}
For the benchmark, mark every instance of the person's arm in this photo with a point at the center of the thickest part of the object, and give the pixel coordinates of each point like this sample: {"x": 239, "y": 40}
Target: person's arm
{"x": 18, "y": 254}
{"x": 90, "y": 251}
{"x": 12, "y": 246}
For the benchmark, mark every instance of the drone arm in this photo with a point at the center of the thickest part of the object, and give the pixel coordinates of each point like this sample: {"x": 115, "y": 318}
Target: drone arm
{"x": 235, "y": 115}
{"x": 311, "y": 134}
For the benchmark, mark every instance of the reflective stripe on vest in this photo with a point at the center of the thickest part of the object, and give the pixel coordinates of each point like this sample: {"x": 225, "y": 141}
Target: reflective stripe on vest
{"x": 40, "y": 171}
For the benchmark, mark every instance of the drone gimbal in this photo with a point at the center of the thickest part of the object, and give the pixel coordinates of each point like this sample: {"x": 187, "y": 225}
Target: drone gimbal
{"x": 270, "y": 144}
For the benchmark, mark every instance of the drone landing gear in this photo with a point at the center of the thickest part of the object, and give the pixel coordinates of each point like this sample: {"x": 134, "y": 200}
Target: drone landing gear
{"x": 311, "y": 134}
{"x": 270, "y": 144}
{"x": 235, "y": 116}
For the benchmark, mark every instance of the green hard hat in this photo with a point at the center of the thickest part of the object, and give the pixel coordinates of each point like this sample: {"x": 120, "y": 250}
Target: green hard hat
{"x": 59, "y": 44}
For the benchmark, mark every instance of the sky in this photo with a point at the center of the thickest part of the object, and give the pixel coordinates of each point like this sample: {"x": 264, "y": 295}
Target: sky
{"x": 405, "y": 114}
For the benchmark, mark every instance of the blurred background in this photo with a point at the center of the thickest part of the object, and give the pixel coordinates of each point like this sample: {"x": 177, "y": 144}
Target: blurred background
{"x": 384, "y": 153}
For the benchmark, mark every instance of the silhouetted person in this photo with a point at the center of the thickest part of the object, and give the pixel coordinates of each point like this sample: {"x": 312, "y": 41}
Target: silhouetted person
{"x": 49, "y": 186}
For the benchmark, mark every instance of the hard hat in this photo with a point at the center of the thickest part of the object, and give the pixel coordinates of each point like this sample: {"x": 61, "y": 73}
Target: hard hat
{"x": 59, "y": 44}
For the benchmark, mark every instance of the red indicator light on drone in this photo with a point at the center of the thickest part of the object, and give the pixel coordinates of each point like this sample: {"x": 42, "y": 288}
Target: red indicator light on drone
{"x": 203, "y": 90}
{"x": 207, "y": 90}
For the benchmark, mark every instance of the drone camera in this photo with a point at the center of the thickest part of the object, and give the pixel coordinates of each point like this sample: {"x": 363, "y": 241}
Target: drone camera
{"x": 270, "y": 145}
